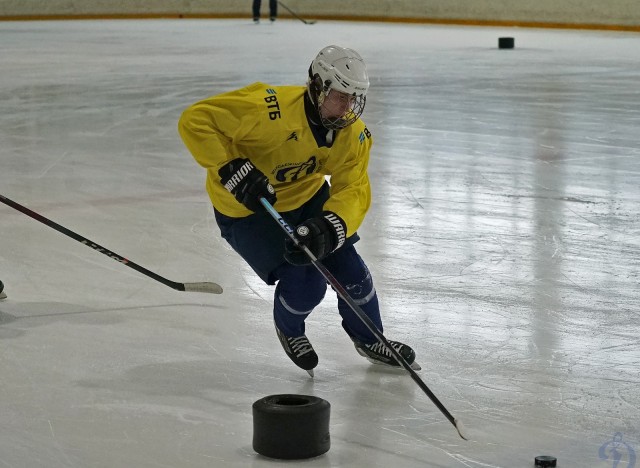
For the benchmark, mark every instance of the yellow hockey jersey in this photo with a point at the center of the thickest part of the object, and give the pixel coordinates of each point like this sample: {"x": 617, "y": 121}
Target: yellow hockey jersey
{"x": 268, "y": 125}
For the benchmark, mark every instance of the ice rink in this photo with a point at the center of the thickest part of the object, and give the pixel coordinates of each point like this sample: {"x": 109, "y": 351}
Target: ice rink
{"x": 503, "y": 239}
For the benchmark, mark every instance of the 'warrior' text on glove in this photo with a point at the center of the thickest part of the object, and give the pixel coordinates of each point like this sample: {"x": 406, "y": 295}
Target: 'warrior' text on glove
{"x": 240, "y": 177}
{"x": 321, "y": 235}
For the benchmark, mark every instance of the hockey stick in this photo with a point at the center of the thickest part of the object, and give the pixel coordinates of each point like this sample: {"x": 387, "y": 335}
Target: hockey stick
{"x": 205, "y": 287}
{"x": 361, "y": 315}
{"x": 294, "y": 14}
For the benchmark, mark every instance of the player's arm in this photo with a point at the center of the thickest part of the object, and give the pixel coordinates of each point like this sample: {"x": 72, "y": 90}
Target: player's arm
{"x": 211, "y": 129}
{"x": 350, "y": 196}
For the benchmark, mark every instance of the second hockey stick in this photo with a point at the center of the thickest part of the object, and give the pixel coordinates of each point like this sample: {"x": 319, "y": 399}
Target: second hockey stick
{"x": 361, "y": 315}
{"x": 205, "y": 287}
{"x": 294, "y": 14}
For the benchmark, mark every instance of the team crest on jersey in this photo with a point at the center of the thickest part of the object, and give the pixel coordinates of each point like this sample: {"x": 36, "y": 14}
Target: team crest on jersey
{"x": 293, "y": 171}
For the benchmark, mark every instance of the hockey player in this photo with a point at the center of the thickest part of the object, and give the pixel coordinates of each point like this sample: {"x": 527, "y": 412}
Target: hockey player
{"x": 280, "y": 143}
{"x": 3, "y": 295}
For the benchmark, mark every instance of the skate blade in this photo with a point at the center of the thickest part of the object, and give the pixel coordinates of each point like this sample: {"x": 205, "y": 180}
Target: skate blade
{"x": 414, "y": 365}
{"x": 310, "y": 372}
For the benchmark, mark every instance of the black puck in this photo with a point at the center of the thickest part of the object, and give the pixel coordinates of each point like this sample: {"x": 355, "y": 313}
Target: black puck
{"x": 546, "y": 460}
{"x": 506, "y": 42}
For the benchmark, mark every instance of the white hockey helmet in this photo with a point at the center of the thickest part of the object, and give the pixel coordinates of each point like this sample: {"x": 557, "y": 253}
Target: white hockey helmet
{"x": 340, "y": 69}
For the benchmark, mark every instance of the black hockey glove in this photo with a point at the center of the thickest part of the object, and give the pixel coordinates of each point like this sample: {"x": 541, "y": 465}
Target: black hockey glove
{"x": 320, "y": 235}
{"x": 246, "y": 183}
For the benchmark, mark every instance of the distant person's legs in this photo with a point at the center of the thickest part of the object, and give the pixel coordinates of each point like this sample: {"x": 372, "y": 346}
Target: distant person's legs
{"x": 273, "y": 9}
{"x": 256, "y": 10}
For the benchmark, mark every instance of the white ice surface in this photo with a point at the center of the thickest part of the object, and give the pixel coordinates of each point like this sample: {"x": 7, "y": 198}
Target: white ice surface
{"x": 503, "y": 239}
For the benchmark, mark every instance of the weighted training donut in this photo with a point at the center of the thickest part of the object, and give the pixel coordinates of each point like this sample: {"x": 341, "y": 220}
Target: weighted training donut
{"x": 291, "y": 426}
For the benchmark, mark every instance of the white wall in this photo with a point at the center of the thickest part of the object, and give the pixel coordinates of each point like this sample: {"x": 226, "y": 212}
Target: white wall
{"x": 581, "y": 12}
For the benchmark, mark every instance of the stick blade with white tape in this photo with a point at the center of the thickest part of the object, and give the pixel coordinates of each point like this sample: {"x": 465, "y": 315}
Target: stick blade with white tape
{"x": 205, "y": 287}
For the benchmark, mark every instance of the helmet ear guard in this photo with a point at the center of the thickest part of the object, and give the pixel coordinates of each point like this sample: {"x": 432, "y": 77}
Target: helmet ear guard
{"x": 314, "y": 87}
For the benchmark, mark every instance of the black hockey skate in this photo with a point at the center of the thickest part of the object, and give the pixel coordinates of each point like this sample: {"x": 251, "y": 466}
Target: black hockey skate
{"x": 378, "y": 353}
{"x": 299, "y": 350}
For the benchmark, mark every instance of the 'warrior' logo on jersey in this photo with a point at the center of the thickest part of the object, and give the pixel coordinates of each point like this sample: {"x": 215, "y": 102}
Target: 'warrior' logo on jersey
{"x": 293, "y": 172}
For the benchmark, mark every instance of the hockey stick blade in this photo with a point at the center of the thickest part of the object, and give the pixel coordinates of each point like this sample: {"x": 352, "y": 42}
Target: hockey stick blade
{"x": 362, "y": 316}
{"x": 462, "y": 431}
{"x": 211, "y": 288}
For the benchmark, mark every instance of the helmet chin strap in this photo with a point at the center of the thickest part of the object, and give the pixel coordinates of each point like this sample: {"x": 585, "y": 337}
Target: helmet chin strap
{"x": 330, "y": 135}
{"x": 314, "y": 119}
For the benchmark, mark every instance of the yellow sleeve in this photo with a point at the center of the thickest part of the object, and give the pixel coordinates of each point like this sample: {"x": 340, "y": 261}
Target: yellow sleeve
{"x": 210, "y": 127}
{"x": 350, "y": 196}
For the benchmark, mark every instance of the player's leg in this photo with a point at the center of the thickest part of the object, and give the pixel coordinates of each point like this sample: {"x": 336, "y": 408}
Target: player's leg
{"x": 353, "y": 275}
{"x": 300, "y": 289}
